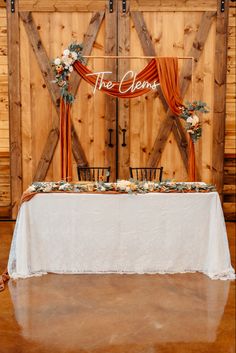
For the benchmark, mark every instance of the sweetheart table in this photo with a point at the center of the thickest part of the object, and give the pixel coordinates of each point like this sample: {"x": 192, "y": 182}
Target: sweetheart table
{"x": 121, "y": 233}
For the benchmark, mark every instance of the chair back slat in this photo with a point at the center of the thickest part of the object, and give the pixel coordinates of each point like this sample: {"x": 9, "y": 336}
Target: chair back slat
{"x": 93, "y": 173}
{"x": 150, "y": 174}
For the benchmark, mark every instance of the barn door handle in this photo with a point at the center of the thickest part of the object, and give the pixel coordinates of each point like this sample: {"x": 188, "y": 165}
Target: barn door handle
{"x": 123, "y": 132}
{"x": 110, "y": 138}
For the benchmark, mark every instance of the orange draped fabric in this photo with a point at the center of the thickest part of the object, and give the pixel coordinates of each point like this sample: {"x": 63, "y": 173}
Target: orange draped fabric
{"x": 65, "y": 138}
{"x": 160, "y": 70}
{"x": 167, "y": 69}
{"x": 3, "y": 279}
{"x": 191, "y": 161}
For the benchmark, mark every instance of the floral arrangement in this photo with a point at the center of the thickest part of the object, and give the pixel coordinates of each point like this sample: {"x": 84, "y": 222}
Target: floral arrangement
{"x": 121, "y": 186}
{"x": 193, "y": 125}
{"x": 64, "y": 66}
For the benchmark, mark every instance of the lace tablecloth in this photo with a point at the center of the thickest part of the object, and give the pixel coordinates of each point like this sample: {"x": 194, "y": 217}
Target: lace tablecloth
{"x": 122, "y": 233}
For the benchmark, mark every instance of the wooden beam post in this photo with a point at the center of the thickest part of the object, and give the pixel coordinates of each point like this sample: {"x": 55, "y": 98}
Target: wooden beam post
{"x": 220, "y": 72}
{"x": 14, "y": 106}
{"x": 111, "y": 102}
{"x": 123, "y": 104}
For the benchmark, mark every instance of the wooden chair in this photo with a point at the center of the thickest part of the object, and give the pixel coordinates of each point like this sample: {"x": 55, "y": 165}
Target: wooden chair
{"x": 94, "y": 173}
{"x": 142, "y": 174}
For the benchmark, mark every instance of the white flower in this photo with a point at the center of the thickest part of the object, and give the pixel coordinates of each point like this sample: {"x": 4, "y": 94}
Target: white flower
{"x": 64, "y": 187}
{"x": 74, "y": 55}
{"x": 66, "y": 52}
{"x": 123, "y": 183}
{"x": 67, "y": 61}
{"x": 57, "y": 61}
{"x": 48, "y": 188}
{"x": 145, "y": 186}
{"x": 193, "y": 120}
{"x": 31, "y": 189}
{"x": 121, "y": 187}
{"x": 71, "y": 68}
{"x": 189, "y": 120}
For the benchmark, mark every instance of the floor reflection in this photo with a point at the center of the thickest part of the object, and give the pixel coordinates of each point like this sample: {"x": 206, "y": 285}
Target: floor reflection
{"x": 109, "y": 313}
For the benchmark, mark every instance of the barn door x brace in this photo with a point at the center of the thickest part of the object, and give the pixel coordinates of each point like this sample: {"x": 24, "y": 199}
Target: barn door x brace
{"x": 123, "y": 6}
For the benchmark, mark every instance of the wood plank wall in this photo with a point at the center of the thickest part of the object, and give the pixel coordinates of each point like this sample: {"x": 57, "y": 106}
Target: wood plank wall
{"x": 230, "y": 134}
{"x": 4, "y": 121}
{"x": 230, "y": 128}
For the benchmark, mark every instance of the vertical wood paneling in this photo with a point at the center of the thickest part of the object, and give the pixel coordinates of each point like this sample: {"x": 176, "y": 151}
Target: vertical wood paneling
{"x": 123, "y": 104}
{"x": 42, "y": 22}
{"x": 4, "y": 124}
{"x": 230, "y": 128}
{"x": 5, "y": 199}
{"x": 219, "y": 95}
{"x": 27, "y": 156}
{"x": 89, "y": 109}
{"x": 14, "y": 106}
{"x": 98, "y": 105}
{"x": 111, "y": 102}
{"x": 55, "y": 50}
{"x": 207, "y": 88}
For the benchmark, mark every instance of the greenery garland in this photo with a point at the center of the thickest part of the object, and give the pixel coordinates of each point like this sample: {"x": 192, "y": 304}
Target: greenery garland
{"x": 121, "y": 186}
{"x": 63, "y": 67}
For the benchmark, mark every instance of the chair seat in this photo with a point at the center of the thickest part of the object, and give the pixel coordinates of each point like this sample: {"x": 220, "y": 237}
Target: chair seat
{"x": 93, "y": 173}
{"x": 143, "y": 173}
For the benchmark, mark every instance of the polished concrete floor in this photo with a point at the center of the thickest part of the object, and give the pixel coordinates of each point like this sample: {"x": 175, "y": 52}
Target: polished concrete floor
{"x": 182, "y": 313}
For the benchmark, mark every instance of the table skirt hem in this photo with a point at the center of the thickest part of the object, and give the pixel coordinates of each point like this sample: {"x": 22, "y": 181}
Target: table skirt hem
{"x": 223, "y": 275}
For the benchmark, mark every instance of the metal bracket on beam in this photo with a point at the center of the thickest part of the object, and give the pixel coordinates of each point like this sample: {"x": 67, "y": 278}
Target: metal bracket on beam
{"x": 124, "y": 6}
{"x": 12, "y": 6}
{"x": 222, "y": 5}
{"x": 110, "y": 5}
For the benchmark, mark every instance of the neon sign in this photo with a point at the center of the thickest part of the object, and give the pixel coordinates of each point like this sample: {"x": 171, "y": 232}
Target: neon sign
{"x": 134, "y": 86}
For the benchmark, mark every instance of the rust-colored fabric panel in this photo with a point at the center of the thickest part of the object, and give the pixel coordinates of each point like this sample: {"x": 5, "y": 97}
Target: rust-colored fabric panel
{"x": 167, "y": 69}
{"x": 27, "y": 196}
{"x": 65, "y": 140}
{"x": 3, "y": 279}
{"x": 191, "y": 161}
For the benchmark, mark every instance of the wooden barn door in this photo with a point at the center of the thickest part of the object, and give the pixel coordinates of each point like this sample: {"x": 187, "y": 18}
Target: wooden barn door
{"x": 38, "y": 32}
{"x": 106, "y": 131}
{"x": 153, "y": 136}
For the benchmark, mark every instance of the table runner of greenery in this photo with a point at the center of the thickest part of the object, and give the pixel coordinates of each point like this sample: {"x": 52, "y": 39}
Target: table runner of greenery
{"x": 121, "y": 186}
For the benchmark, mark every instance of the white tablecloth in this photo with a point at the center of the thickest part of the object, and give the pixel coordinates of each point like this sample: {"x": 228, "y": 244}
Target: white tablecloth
{"x": 104, "y": 233}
